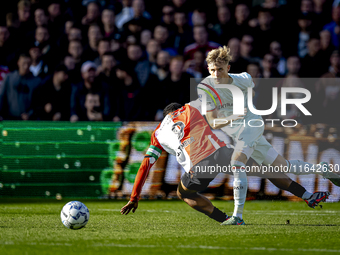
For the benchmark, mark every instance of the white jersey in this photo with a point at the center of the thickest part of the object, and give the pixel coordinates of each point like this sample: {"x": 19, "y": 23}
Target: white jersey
{"x": 225, "y": 109}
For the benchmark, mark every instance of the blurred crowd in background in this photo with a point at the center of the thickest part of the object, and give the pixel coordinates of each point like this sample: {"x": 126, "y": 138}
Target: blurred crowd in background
{"x": 124, "y": 60}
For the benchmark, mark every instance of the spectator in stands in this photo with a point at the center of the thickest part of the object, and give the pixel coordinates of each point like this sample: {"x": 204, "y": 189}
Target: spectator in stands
{"x": 129, "y": 104}
{"x": 38, "y": 67}
{"x": 161, "y": 35}
{"x": 125, "y": 15}
{"x": 40, "y": 17}
{"x": 222, "y": 27}
{"x": 108, "y": 20}
{"x": 59, "y": 23}
{"x": 152, "y": 50}
{"x": 103, "y": 47}
{"x": 253, "y": 68}
{"x": 328, "y": 91}
{"x": 75, "y": 34}
{"x": 24, "y": 11}
{"x": 92, "y": 14}
{"x": 91, "y": 49}
{"x": 321, "y": 13}
{"x": 16, "y": 91}
{"x": 269, "y": 67}
{"x": 139, "y": 62}
{"x": 93, "y": 107}
{"x": 89, "y": 84}
{"x": 75, "y": 49}
{"x": 145, "y": 37}
{"x": 177, "y": 84}
{"x": 299, "y": 39}
{"x": 326, "y": 47}
{"x": 276, "y": 50}
{"x": 197, "y": 67}
{"x": 240, "y": 26}
{"x": 246, "y": 48}
{"x": 51, "y": 100}
{"x": 265, "y": 33}
{"x": 161, "y": 67}
{"x": 293, "y": 66}
{"x": 7, "y": 52}
{"x": 26, "y": 27}
{"x": 3, "y": 72}
{"x": 310, "y": 63}
{"x": 199, "y": 18}
{"x": 168, "y": 12}
{"x": 183, "y": 33}
{"x": 106, "y": 70}
{"x": 334, "y": 27}
{"x": 237, "y": 64}
{"x": 72, "y": 70}
{"x": 137, "y": 12}
{"x": 54, "y": 10}
{"x": 56, "y": 23}
{"x": 201, "y": 43}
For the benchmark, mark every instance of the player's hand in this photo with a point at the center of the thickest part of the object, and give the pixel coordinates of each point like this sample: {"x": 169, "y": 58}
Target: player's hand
{"x": 127, "y": 208}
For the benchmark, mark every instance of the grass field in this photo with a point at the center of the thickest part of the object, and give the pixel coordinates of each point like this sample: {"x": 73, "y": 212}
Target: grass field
{"x": 172, "y": 227}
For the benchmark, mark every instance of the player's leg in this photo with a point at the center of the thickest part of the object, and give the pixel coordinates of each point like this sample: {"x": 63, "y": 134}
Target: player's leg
{"x": 198, "y": 201}
{"x": 312, "y": 199}
{"x": 299, "y": 167}
{"x": 240, "y": 183}
{"x": 246, "y": 141}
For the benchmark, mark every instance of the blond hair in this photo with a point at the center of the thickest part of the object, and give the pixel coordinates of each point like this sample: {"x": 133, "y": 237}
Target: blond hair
{"x": 220, "y": 55}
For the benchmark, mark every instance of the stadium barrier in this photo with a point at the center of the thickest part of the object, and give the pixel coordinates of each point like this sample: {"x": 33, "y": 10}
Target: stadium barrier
{"x": 101, "y": 159}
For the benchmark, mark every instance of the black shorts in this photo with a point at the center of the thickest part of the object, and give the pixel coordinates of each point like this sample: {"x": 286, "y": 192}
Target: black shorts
{"x": 199, "y": 180}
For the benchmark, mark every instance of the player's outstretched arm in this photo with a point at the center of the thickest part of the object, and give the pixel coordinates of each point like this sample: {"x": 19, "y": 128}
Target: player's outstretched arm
{"x": 148, "y": 162}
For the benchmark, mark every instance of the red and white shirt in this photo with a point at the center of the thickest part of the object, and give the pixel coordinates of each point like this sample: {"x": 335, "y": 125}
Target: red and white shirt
{"x": 183, "y": 133}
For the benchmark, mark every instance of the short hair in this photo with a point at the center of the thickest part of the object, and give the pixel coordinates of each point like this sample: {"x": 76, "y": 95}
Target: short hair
{"x": 171, "y": 108}
{"x": 178, "y": 58}
{"x": 109, "y": 9}
{"x": 43, "y": 9}
{"x": 105, "y": 40}
{"x": 24, "y": 4}
{"x": 221, "y": 55}
{"x": 24, "y": 55}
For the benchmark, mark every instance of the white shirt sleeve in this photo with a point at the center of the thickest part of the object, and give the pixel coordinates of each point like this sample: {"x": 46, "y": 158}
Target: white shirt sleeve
{"x": 204, "y": 91}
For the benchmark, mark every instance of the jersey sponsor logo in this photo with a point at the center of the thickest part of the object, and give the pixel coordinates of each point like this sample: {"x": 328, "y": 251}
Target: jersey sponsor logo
{"x": 178, "y": 129}
{"x": 225, "y": 106}
{"x": 187, "y": 142}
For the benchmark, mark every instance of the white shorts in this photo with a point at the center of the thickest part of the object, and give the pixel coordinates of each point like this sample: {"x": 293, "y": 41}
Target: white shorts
{"x": 251, "y": 142}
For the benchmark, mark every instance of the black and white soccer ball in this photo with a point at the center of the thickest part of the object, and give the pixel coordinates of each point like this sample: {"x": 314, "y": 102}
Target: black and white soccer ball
{"x": 74, "y": 215}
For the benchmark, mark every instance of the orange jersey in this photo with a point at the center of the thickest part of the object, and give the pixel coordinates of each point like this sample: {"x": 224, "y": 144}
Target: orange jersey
{"x": 183, "y": 133}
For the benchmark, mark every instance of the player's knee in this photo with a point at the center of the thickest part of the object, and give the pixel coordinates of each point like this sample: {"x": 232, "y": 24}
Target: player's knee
{"x": 179, "y": 194}
{"x": 182, "y": 194}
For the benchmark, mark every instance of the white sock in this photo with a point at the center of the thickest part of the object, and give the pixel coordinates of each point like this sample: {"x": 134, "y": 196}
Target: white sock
{"x": 306, "y": 195}
{"x": 299, "y": 167}
{"x": 240, "y": 188}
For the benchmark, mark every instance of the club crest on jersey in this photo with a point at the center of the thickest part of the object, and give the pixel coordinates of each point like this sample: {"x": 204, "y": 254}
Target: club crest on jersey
{"x": 178, "y": 129}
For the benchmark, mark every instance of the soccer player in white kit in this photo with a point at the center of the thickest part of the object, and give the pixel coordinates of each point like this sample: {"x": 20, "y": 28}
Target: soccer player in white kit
{"x": 248, "y": 140}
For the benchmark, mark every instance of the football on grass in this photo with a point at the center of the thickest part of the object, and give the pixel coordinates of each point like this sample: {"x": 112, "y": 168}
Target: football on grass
{"x": 75, "y": 215}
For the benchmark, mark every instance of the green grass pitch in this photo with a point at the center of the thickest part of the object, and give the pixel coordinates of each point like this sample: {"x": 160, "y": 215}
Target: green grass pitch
{"x": 171, "y": 227}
